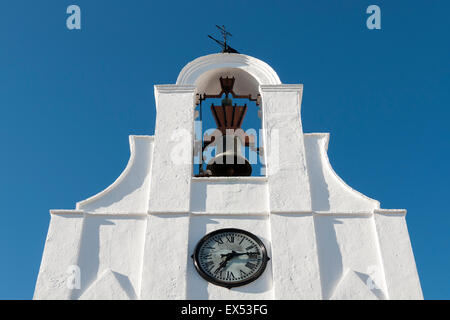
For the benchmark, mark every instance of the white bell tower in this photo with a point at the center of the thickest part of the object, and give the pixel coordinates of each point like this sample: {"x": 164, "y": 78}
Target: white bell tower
{"x": 135, "y": 239}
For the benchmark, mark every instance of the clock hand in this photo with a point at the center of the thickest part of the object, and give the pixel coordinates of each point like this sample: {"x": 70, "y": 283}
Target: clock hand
{"x": 228, "y": 256}
{"x": 243, "y": 253}
{"x": 221, "y": 265}
{"x": 231, "y": 255}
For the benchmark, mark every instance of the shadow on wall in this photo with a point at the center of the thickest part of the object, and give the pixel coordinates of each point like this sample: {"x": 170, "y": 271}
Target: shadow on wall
{"x": 329, "y": 253}
{"x": 359, "y": 279}
{"x": 197, "y": 287}
{"x": 88, "y": 257}
{"x": 320, "y": 195}
{"x": 126, "y": 284}
{"x": 376, "y": 290}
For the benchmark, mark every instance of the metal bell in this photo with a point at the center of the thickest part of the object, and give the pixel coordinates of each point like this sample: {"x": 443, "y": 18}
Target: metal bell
{"x": 229, "y": 160}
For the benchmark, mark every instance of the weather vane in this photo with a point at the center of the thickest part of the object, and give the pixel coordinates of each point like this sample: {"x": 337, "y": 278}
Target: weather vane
{"x": 223, "y": 44}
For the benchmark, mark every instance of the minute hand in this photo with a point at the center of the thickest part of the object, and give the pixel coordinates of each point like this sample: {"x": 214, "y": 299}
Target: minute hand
{"x": 233, "y": 254}
{"x": 251, "y": 255}
{"x": 242, "y": 253}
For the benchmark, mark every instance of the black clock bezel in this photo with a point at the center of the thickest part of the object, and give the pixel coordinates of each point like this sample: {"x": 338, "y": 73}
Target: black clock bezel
{"x": 207, "y": 277}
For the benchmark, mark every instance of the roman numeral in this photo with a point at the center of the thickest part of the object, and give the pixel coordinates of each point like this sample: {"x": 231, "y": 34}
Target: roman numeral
{"x": 230, "y": 275}
{"x": 210, "y": 267}
{"x": 243, "y": 274}
{"x": 250, "y": 265}
{"x": 230, "y": 238}
{"x": 253, "y": 255}
{"x": 241, "y": 240}
{"x": 219, "y": 241}
{"x": 249, "y": 248}
{"x": 205, "y": 256}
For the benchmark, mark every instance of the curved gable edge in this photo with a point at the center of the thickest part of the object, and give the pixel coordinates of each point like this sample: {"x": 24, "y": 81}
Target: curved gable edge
{"x": 329, "y": 193}
{"x": 129, "y": 193}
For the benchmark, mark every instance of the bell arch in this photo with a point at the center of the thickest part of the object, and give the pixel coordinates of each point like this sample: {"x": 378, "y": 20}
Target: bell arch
{"x": 236, "y": 79}
{"x": 259, "y": 70}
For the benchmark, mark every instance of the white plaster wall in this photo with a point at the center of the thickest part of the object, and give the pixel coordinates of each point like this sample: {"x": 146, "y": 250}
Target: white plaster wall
{"x": 348, "y": 244}
{"x": 230, "y": 195}
{"x": 284, "y": 150}
{"x": 172, "y": 160}
{"x": 198, "y": 288}
{"x": 353, "y": 286}
{"x": 60, "y": 253}
{"x": 165, "y": 257}
{"x": 296, "y": 273}
{"x": 402, "y": 279}
{"x": 111, "y": 242}
{"x": 109, "y": 285}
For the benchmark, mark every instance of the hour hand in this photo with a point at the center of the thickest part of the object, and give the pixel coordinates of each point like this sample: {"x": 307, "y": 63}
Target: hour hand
{"x": 226, "y": 254}
{"x": 229, "y": 255}
{"x": 221, "y": 266}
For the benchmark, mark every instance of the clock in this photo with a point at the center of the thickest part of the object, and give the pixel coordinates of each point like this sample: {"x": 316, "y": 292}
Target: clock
{"x": 230, "y": 257}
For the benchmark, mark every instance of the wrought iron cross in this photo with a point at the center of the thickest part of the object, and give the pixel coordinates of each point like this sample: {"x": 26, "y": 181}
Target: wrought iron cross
{"x": 225, "y": 47}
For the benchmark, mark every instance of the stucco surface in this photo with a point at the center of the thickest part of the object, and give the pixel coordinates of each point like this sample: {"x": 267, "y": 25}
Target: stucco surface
{"x": 351, "y": 286}
{"x": 297, "y": 274}
{"x": 111, "y": 242}
{"x": 231, "y": 196}
{"x": 164, "y": 272}
{"x": 288, "y": 180}
{"x": 61, "y": 251}
{"x": 400, "y": 269}
{"x": 171, "y": 170}
{"x": 109, "y": 286}
{"x": 134, "y": 240}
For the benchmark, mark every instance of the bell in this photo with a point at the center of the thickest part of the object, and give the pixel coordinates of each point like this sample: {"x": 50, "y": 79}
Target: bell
{"x": 231, "y": 162}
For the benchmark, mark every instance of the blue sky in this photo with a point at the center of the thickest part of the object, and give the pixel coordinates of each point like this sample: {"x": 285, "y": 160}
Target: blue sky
{"x": 69, "y": 100}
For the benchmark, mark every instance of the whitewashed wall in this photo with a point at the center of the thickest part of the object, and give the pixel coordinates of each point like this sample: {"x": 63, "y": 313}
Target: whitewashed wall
{"x": 134, "y": 239}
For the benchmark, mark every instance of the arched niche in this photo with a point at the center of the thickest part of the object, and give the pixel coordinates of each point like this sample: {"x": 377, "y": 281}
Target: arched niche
{"x": 245, "y": 83}
{"x": 249, "y": 73}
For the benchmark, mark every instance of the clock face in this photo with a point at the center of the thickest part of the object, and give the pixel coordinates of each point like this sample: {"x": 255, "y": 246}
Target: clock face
{"x": 230, "y": 257}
